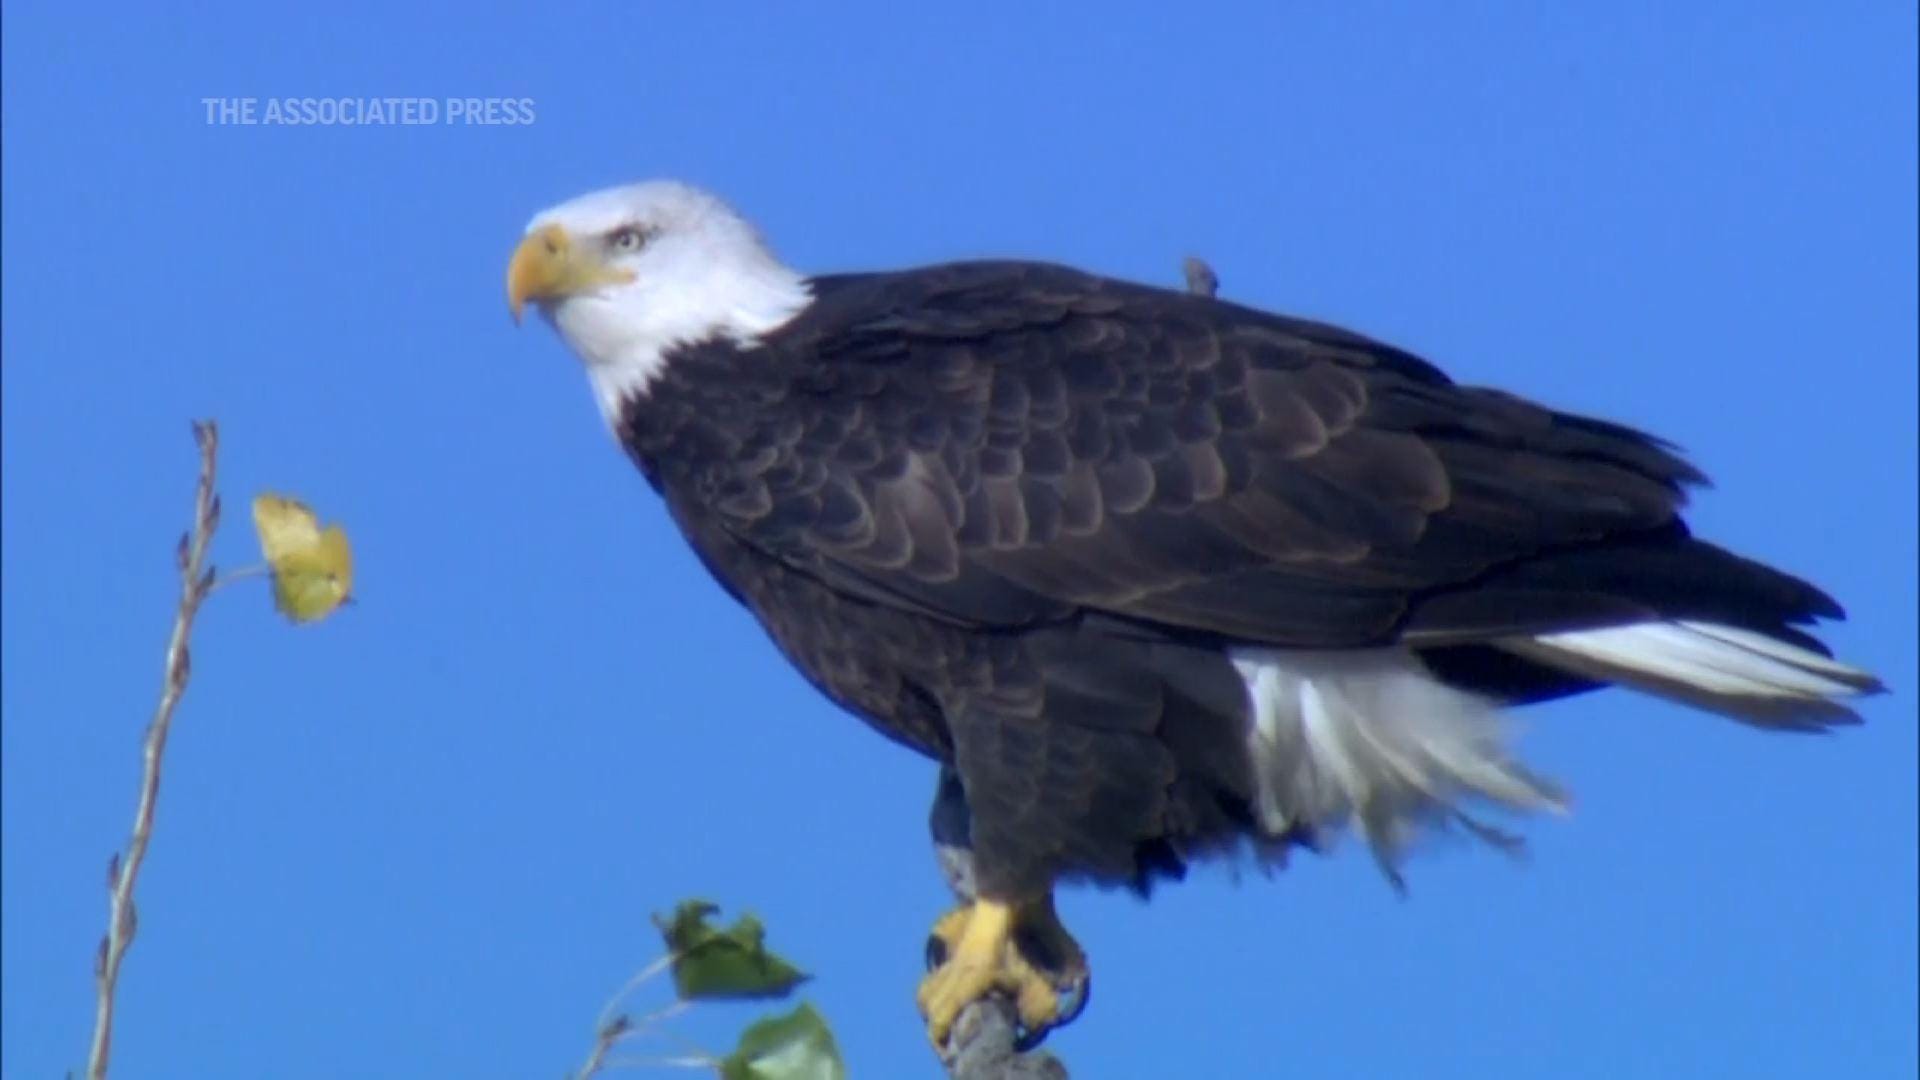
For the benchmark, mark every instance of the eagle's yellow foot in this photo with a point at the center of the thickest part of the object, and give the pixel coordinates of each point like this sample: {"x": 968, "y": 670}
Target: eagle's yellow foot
{"x": 991, "y": 947}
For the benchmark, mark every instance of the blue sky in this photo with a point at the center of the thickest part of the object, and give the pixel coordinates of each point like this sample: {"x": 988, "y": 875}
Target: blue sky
{"x": 423, "y": 838}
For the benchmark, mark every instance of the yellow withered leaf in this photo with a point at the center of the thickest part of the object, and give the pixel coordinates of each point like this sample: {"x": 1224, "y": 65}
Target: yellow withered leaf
{"x": 312, "y": 567}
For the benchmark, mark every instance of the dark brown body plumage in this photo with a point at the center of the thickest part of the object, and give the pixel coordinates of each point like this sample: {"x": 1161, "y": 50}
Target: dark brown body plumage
{"x": 1014, "y": 515}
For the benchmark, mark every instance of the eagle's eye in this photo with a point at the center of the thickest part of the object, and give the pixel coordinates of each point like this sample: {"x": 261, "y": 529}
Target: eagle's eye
{"x": 627, "y": 238}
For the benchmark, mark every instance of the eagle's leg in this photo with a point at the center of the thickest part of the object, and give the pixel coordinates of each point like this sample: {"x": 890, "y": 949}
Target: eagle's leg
{"x": 1017, "y": 949}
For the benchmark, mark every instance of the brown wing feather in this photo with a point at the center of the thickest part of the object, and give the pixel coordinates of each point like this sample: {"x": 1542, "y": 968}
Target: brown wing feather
{"x": 1010, "y": 444}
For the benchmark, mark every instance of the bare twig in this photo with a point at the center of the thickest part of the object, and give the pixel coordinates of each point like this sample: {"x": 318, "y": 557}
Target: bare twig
{"x": 615, "y": 1027}
{"x": 196, "y": 579}
{"x": 1201, "y": 280}
{"x": 609, "y": 1013}
{"x": 683, "y": 1061}
{"x": 242, "y": 574}
{"x": 603, "y": 1041}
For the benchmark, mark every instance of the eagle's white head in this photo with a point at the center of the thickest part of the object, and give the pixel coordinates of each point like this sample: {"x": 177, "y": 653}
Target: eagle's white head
{"x": 628, "y": 273}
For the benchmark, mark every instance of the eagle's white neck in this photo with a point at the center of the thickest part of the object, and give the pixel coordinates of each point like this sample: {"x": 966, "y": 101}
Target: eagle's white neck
{"x": 625, "y": 344}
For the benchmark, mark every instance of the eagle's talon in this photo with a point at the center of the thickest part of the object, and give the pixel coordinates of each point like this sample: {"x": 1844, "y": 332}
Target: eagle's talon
{"x": 1026, "y": 1038}
{"x": 1076, "y": 996}
{"x": 989, "y": 948}
{"x": 945, "y": 936}
{"x": 1081, "y": 1000}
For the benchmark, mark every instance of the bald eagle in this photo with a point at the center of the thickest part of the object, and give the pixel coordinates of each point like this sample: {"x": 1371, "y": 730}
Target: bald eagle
{"x": 1152, "y": 576}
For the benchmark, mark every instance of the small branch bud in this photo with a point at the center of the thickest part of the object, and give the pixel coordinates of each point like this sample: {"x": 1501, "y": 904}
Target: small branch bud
{"x": 1201, "y": 280}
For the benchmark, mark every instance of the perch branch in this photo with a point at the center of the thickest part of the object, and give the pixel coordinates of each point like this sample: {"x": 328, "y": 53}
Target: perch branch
{"x": 196, "y": 579}
{"x": 983, "y": 1046}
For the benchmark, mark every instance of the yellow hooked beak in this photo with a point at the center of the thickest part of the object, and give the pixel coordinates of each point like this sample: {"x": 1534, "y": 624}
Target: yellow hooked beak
{"x": 549, "y": 266}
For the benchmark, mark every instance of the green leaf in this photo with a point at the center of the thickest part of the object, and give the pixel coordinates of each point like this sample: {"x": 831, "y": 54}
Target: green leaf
{"x": 732, "y": 963}
{"x": 793, "y": 1046}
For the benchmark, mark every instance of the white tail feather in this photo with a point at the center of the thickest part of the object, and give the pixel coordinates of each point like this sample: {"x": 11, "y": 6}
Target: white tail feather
{"x": 1727, "y": 669}
{"x": 1781, "y": 650}
{"x": 1372, "y": 738}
